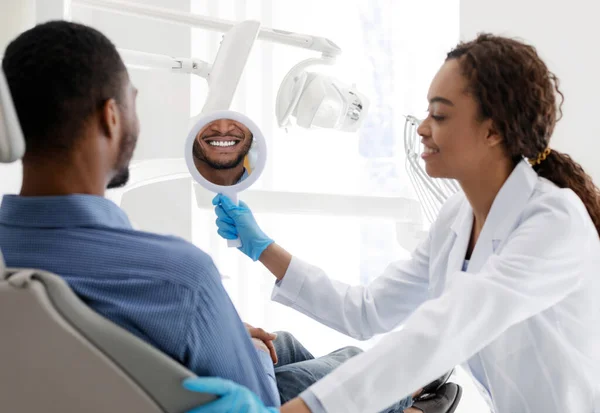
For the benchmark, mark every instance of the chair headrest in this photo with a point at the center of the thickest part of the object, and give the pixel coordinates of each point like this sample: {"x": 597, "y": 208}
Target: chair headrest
{"x": 12, "y": 144}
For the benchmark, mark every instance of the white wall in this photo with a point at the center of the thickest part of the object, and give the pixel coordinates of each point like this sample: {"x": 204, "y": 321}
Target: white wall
{"x": 566, "y": 35}
{"x": 15, "y": 16}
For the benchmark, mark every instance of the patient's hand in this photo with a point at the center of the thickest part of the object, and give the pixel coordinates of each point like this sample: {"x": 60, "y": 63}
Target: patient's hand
{"x": 263, "y": 340}
{"x": 259, "y": 344}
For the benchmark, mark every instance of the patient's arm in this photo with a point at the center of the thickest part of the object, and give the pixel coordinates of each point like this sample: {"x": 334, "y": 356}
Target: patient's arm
{"x": 218, "y": 344}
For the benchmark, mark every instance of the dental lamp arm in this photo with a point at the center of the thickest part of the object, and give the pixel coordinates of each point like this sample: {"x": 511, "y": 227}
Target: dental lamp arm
{"x": 304, "y": 41}
{"x": 186, "y": 65}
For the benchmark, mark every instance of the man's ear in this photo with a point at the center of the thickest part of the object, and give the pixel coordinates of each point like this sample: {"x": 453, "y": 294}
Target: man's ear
{"x": 110, "y": 119}
{"x": 493, "y": 138}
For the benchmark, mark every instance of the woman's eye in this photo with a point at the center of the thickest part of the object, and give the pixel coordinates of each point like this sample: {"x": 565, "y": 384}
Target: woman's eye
{"x": 438, "y": 117}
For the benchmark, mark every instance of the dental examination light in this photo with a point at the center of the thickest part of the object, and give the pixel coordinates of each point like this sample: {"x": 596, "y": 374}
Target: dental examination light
{"x": 432, "y": 192}
{"x": 305, "y": 98}
{"x": 316, "y": 100}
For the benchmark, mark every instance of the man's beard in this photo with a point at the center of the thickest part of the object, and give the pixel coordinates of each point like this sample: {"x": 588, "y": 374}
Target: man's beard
{"x": 126, "y": 152}
{"x": 120, "y": 179}
{"x": 201, "y": 156}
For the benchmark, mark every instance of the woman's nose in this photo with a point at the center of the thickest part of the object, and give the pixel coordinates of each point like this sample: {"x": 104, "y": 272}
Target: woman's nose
{"x": 423, "y": 129}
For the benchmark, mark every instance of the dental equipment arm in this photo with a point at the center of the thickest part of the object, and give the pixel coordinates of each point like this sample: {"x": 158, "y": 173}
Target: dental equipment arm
{"x": 184, "y": 65}
{"x": 304, "y": 41}
{"x": 313, "y": 99}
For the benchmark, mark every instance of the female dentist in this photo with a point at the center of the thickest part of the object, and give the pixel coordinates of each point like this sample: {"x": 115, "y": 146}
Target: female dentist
{"x": 507, "y": 281}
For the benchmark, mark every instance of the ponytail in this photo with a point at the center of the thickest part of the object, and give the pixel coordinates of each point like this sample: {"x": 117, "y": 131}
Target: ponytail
{"x": 563, "y": 171}
{"x": 514, "y": 88}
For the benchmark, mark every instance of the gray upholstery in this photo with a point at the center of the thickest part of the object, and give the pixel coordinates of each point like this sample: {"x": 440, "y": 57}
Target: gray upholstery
{"x": 57, "y": 356}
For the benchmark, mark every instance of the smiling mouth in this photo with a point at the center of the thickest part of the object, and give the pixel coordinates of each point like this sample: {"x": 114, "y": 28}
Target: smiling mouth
{"x": 222, "y": 142}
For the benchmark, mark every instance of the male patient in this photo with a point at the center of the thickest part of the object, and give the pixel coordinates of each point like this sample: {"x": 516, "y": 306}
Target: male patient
{"x": 76, "y": 106}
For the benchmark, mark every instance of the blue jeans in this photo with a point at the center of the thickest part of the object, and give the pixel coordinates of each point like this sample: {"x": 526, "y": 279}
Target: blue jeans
{"x": 297, "y": 369}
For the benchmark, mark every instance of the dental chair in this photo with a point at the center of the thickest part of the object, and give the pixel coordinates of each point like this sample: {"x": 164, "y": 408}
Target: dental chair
{"x": 59, "y": 356}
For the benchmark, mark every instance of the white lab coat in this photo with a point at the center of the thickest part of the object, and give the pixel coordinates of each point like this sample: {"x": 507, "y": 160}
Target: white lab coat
{"x": 527, "y": 309}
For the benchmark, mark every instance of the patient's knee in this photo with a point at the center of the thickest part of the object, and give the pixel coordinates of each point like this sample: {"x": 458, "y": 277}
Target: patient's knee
{"x": 285, "y": 336}
{"x": 352, "y": 351}
{"x": 347, "y": 352}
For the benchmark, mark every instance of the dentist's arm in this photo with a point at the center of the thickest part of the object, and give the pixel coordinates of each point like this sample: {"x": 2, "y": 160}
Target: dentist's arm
{"x": 235, "y": 221}
{"x": 276, "y": 259}
{"x": 358, "y": 311}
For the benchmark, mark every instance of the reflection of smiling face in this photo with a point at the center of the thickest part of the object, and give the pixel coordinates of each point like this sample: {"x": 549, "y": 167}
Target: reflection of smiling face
{"x": 223, "y": 144}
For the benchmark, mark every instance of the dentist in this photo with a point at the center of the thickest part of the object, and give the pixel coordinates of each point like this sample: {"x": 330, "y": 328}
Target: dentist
{"x": 507, "y": 282}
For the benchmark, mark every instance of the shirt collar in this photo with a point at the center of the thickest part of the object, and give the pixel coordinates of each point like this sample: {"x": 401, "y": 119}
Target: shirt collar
{"x": 63, "y": 211}
{"x": 244, "y": 176}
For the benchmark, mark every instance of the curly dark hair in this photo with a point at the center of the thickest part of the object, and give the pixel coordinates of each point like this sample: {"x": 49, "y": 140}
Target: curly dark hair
{"x": 59, "y": 74}
{"x": 515, "y": 89}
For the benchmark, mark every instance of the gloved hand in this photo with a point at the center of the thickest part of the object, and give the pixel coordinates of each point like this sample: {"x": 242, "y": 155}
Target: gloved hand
{"x": 234, "y": 398}
{"x": 237, "y": 221}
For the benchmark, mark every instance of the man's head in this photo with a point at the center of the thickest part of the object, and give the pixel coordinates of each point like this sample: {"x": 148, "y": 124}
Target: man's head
{"x": 73, "y": 97}
{"x": 223, "y": 144}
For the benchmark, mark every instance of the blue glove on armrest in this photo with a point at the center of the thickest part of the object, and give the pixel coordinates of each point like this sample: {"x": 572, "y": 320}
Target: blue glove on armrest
{"x": 237, "y": 221}
{"x": 233, "y": 397}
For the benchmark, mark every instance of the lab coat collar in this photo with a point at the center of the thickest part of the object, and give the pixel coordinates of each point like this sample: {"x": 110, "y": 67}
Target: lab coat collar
{"x": 503, "y": 216}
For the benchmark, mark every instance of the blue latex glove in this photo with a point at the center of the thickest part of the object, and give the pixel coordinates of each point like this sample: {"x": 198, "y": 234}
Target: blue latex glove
{"x": 233, "y": 397}
{"x": 237, "y": 221}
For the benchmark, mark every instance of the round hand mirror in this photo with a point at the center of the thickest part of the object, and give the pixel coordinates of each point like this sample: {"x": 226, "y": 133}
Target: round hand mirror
{"x": 226, "y": 153}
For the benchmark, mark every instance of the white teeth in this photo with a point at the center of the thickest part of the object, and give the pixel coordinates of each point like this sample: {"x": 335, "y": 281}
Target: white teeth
{"x": 221, "y": 143}
{"x": 430, "y": 150}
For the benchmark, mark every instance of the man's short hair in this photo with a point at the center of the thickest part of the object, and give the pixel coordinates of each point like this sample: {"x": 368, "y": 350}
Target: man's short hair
{"x": 59, "y": 74}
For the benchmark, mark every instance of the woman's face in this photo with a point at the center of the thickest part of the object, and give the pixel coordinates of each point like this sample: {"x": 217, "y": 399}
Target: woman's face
{"x": 457, "y": 143}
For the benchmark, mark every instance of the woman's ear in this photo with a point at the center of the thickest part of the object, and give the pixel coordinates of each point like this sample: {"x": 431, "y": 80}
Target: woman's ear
{"x": 493, "y": 138}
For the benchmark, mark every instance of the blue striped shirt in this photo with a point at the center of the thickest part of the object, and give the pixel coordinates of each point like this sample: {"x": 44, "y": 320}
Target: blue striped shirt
{"x": 161, "y": 288}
